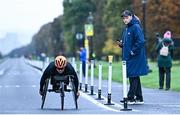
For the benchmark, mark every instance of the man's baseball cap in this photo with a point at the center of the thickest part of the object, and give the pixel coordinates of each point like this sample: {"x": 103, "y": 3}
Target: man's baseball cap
{"x": 126, "y": 13}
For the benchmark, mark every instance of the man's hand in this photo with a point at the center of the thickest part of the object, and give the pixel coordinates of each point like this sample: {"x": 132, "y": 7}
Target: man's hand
{"x": 120, "y": 44}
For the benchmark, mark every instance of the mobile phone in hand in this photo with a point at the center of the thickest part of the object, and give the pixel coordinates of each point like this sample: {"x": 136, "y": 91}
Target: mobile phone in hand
{"x": 120, "y": 43}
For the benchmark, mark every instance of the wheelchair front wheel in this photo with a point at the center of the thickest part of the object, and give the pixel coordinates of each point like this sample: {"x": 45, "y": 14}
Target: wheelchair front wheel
{"x": 62, "y": 94}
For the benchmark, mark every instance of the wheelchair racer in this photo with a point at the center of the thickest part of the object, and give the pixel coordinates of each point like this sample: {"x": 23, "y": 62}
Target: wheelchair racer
{"x": 59, "y": 67}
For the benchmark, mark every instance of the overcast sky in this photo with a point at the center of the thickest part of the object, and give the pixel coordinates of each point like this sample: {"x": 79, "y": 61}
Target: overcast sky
{"x": 25, "y": 17}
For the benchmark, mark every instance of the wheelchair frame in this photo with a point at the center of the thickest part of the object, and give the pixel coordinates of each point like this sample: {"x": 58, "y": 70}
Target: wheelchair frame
{"x": 61, "y": 81}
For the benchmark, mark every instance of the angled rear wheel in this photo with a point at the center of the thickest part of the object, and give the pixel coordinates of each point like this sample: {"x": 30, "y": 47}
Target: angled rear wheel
{"x": 45, "y": 88}
{"x": 74, "y": 95}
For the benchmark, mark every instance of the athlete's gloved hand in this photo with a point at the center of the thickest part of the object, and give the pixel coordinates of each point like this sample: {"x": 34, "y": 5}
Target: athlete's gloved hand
{"x": 78, "y": 94}
{"x": 40, "y": 92}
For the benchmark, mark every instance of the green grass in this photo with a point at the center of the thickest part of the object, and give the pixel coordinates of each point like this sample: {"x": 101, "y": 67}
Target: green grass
{"x": 149, "y": 81}
{"x": 116, "y": 68}
{"x": 152, "y": 79}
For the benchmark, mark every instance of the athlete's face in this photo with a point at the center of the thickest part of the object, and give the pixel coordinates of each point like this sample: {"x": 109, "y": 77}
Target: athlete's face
{"x": 127, "y": 19}
{"x": 60, "y": 70}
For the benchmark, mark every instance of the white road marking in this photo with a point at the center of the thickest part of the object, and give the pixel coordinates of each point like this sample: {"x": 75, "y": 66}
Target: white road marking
{"x": 33, "y": 85}
{"x": 112, "y": 86}
{"x": 2, "y": 72}
{"x": 173, "y": 105}
{"x": 116, "y": 104}
{"x": 97, "y": 103}
{"x": 17, "y": 86}
{"x": 106, "y": 107}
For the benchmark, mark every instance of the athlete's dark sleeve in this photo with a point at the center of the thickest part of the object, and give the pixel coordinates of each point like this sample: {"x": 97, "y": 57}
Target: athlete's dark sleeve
{"x": 46, "y": 74}
{"x": 76, "y": 81}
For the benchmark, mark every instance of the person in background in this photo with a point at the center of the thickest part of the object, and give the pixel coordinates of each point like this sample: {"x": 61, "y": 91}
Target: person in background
{"x": 82, "y": 55}
{"x": 158, "y": 38}
{"x": 133, "y": 52}
{"x": 165, "y": 61}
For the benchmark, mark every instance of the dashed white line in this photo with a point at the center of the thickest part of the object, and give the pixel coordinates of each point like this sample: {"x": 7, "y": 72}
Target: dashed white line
{"x": 174, "y": 105}
{"x": 17, "y": 86}
{"x": 33, "y": 85}
{"x": 2, "y": 72}
{"x": 7, "y": 86}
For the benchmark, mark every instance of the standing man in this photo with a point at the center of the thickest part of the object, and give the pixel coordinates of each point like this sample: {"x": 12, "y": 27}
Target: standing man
{"x": 82, "y": 55}
{"x": 133, "y": 52}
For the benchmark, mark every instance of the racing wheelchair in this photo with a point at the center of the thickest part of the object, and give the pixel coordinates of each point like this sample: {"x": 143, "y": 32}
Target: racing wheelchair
{"x": 61, "y": 83}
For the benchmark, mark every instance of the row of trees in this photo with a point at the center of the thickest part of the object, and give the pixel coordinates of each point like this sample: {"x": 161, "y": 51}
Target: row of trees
{"x": 161, "y": 15}
{"x": 59, "y": 36}
{"x": 106, "y": 20}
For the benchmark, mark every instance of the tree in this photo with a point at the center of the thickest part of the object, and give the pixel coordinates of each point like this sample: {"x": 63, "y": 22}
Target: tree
{"x": 112, "y": 16}
{"x": 161, "y": 15}
{"x": 111, "y": 48}
{"x": 74, "y": 18}
{"x": 57, "y": 39}
{"x": 113, "y": 24}
{"x": 99, "y": 28}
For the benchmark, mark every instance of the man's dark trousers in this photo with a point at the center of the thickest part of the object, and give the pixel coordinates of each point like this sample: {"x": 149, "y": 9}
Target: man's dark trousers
{"x": 135, "y": 89}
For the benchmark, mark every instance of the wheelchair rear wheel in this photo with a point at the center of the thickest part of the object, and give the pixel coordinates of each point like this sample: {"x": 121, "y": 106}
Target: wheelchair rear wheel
{"x": 74, "y": 95}
{"x": 45, "y": 88}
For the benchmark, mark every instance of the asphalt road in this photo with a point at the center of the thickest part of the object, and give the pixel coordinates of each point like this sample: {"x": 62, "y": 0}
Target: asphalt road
{"x": 19, "y": 85}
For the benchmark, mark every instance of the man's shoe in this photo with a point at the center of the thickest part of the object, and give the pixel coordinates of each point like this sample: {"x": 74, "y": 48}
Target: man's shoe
{"x": 130, "y": 102}
{"x": 149, "y": 70}
{"x": 139, "y": 102}
{"x": 167, "y": 89}
{"x": 122, "y": 101}
{"x": 160, "y": 88}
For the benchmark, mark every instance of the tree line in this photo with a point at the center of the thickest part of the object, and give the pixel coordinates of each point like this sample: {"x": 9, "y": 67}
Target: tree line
{"x": 59, "y": 36}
